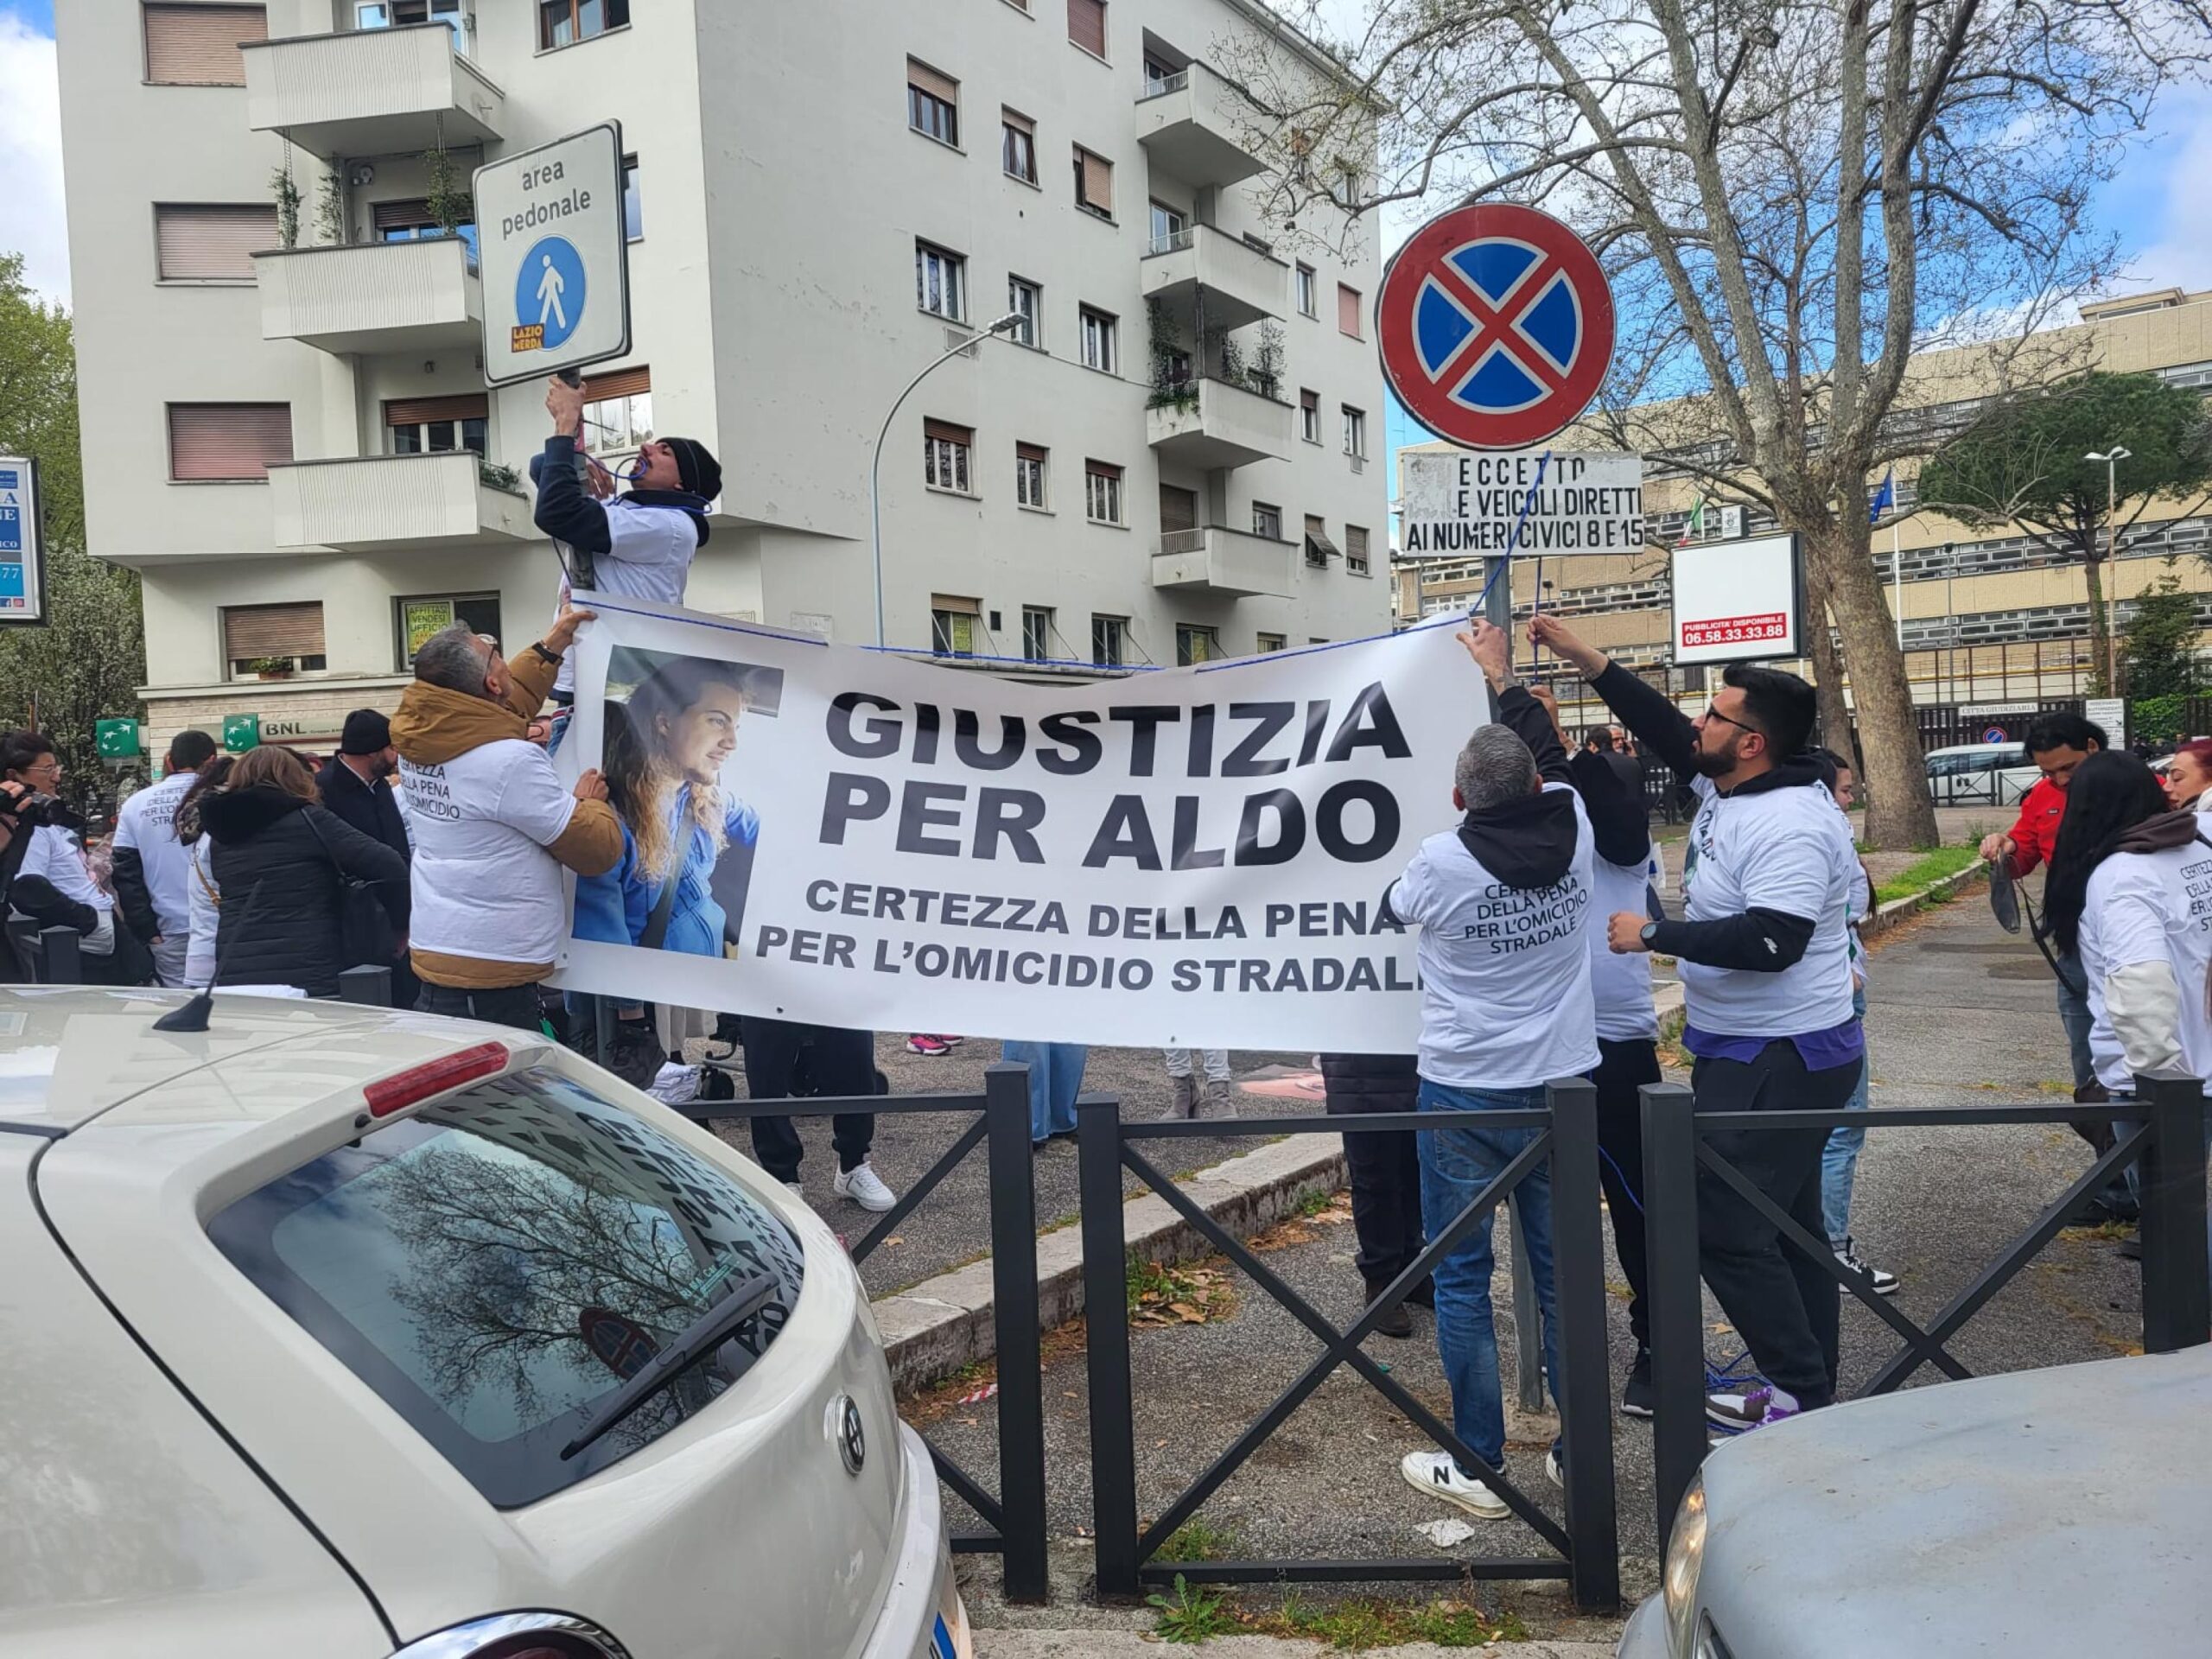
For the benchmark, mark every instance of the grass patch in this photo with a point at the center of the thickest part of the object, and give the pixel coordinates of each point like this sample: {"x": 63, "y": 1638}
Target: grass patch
{"x": 1355, "y": 1626}
{"x": 1925, "y": 872}
{"x": 1198, "y": 1539}
{"x": 1192, "y": 1614}
{"x": 1312, "y": 1204}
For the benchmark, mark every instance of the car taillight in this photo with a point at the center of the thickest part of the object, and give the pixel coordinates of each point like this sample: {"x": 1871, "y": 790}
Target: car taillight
{"x": 535, "y": 1635}
{"x": 403, "y": 1089}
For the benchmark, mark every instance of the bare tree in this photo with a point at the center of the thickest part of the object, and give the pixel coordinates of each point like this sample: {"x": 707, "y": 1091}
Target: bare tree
{"x": 1791, "y": 201}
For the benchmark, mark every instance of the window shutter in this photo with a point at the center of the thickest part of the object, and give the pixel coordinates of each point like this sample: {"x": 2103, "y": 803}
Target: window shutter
{"x": 1019, "y": 122}
{"x": 1031, "y": 451}
{"x": 1318, "y": 547}
{"x": 408, "y": 215}
{"x": 1356, "y": 542}
{"x": 198, "y": 45}
{"x": 617, "y": 382}
{"x": 211, "y": 243}
{"x": 1087, "y": 25}
{"x": 956, "y": 604}
{"x": 1097, "y": 179}
{"x": 946, "y": 432}
{"x": 252, "y": 631}
{"x": 1179, "y": 509}
{"x": 414, "y": 411}
{"x": 1348, "y": 310}
{"x": 238, "y": 441}
{"x": 1309, "y": 400}
{"x": 925, "y": 78}
{"x": 1102, "y": 469}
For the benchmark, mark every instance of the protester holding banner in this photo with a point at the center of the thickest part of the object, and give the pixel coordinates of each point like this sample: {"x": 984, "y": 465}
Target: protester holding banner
{"x": 1502, "y": 905}
{"x": 150, "y": 883}
{"x": 785, "y": 1060}
{"x": 1764, "y": 955}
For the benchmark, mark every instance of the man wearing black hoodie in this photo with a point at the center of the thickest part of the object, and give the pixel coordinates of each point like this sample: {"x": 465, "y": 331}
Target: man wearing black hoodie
{"x": 1502, "y": 905}
{"x": 1765, "y": 962}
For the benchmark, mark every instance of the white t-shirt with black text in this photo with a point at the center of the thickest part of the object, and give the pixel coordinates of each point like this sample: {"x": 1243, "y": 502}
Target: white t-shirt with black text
{"x": 1786, "y": 850}
{"x": 1505, "y": 995}
{"x": 148, "y": 821}
{"x": 1620, "y": 980}
{"x": 2145, "y": 907}
{"x": 484, "y": 885}
{"x": 650, "y": 557}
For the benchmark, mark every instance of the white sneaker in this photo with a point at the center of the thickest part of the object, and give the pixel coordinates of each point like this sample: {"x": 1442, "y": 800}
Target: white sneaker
{"x": 1556, "y": 1468}
{"x": 798, "y": 1192}
{"x": 864, "y": 1187}
{"x": 1435, "y": 1473}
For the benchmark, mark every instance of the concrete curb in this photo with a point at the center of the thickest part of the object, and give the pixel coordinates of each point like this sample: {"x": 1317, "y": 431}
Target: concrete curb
{"x": 1886, "y": 916}
{"x": 932, "y": 1329}
{"x": 1131, "y": 1644}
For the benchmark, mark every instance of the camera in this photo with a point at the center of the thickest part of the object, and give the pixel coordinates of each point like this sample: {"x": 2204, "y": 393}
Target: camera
{"x": 36, "y": 809}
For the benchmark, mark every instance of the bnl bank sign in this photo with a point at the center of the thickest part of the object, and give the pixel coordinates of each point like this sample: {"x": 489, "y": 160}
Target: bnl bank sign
{"x": 556, "y": 262}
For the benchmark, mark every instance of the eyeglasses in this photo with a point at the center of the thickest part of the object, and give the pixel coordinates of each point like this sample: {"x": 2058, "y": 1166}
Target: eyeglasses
{"x": 49, "y": 765}
{"x": 1713, "y": 712}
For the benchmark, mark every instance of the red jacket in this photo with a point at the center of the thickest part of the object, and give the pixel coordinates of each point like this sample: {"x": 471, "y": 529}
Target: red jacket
{"x": 2037, "y": 833}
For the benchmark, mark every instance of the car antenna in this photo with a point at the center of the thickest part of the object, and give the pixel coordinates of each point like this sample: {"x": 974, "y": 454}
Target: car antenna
{"x": 192, "y": 1016}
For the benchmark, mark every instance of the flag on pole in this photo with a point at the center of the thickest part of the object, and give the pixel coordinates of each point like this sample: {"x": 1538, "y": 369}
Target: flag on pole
{"x": 1694, "y": 526}
{"x": 1884, "y": 498}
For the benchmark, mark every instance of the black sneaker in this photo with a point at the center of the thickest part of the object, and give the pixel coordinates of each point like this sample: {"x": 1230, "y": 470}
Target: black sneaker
{"x": 1636, "y": 1398}
{"x": 1881, "y": 1283}
{"x": 1397, "y": 1322}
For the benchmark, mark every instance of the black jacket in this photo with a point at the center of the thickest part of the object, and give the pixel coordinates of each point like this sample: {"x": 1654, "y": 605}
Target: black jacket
{"x": 277, "y": 860}
{"x": 372, "y": 808}
{"x": 1370, "y": 1083}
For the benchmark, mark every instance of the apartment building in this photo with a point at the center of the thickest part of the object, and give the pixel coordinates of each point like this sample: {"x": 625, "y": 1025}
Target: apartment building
{"x": 1164, "y": 460}
{"x": 1990, "y": 619}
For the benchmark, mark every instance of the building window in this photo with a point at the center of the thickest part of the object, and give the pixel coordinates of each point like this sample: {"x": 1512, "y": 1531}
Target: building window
{"x": 940, "y": 282}
{"x": 1110, "y": 638}
{"x": 1101, "y": 486}
{"x": 412, "y": 220}
{"x": 955, "y": 625}
{"x": 945, "y": 452}
{"x": 1087, "y": 25}
{"x": 208, "y": 243}
{"x": 267, "y": 639}
{"x": 427, "y": 426}
{"x": 932, "y": 104}
{"x": 1161, "y": 76}
{"x": 1309, "y": 415}
{"x": 1036, "y": 633}
{"x": 198, "y": 45}
{"x": 415, "y": 619}
{"x": 1094, "y": 183}
{"x": 1309, "y": 305}
{"x": 1319, "y": 548}
{"x": 1348, "y": 310}
{"x": 620, "y": 414}
{"x": 1030, "y": 462}
{"x": 1267, "y": 521}
{"x": 1168, "y": 227}
{"x": 1355, "y": 431}
{"x": 1195, "y": 645}
{"x": 563, "y": 22}
{"x": 1099, "y": 349}
{"x": 1017, "y": 146}
{"x": 400, "y": 14}
{"x": 1356, "y": 549}
{"x": 232, "y": 443}
{"x": 633, "y": 202}
{"x": 1272, "y": 641}
{"x": 1026, "y": 300}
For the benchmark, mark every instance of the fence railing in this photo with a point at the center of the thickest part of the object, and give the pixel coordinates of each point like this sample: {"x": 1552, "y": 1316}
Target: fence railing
{"x": 1566, "y": 1133}
{"x": 2166, "y": 1146}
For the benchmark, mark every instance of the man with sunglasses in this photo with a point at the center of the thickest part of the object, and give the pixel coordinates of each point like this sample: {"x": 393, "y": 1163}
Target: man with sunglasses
{"x": 1765, "y": 962}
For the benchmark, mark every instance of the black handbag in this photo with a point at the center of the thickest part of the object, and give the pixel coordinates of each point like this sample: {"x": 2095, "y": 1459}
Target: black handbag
{"x": 366, "y": 935}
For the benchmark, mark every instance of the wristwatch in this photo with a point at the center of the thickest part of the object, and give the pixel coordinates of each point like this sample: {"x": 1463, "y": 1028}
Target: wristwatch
{"x": 1645, "y": 933}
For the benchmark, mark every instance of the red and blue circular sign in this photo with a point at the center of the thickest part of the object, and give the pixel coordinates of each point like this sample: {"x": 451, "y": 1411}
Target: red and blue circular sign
{"x": 1496, "y": 325}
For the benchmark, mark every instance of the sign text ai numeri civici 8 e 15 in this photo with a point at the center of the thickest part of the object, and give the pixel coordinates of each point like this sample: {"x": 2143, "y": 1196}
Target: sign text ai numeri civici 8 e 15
{"x": 1529, "y": 501}
{"x": 556, "y": 262}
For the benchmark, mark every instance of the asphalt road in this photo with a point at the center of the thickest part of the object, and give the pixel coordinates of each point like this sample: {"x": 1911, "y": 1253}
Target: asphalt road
{"x": 1957, "y": 1012}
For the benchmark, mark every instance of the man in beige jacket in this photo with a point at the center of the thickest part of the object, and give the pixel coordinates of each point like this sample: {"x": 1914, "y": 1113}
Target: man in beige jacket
{"x": 494, "y": 826}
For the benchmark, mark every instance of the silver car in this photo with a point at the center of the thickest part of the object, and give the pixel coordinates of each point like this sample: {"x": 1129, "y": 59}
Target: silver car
{"x": 2063, "y": 1512}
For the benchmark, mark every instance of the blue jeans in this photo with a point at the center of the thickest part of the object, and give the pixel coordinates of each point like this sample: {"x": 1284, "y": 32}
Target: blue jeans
{"x": 2133, "y": 1175}
{"x": 1055, "y": 1079}
{"x": 2074, "y": 1014}
{"x": 1456, "y": 1163}
{"x": 1839, "y": 1158}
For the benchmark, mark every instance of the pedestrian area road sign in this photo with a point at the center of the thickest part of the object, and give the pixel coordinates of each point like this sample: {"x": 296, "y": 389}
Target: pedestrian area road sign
{"x": 556, "y": 262}
{"x": 23, "y": 561}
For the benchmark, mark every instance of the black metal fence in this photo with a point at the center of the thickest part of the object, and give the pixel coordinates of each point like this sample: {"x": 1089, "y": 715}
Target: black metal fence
{"x": 2166, "y": 1146}
{"x": 1586, "y": 1550}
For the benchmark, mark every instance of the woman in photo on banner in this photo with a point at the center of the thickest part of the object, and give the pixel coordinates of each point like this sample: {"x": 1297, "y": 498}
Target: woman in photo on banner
{"x": 688, "y": 844}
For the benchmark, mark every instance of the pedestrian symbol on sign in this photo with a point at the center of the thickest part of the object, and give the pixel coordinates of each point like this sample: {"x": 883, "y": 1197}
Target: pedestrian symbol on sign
{"x": 550, "y": 296}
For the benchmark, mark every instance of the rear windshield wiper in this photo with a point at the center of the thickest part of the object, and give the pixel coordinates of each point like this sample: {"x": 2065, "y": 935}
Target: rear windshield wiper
{"x": 697, "y": 1343}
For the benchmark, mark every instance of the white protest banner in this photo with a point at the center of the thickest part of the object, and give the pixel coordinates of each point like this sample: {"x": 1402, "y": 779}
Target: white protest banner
{"x": 842, "y": 838}
{"x": 1472, "y": 502}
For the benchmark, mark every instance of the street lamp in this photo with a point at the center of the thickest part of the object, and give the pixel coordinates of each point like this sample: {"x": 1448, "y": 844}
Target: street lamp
{"x": 2110, "y": 461}
{"x": 1012, "y": 320}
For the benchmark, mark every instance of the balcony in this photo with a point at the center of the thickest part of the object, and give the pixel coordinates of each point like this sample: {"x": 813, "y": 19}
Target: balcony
{"x": 1241, "y": 285}
{"x": 371, "y": 91}
{"x": 1216, "y": 424}
{"x": 372, "y": 296}
{"x": 1202, "y": 129}
{"x": 1217, "y": 560}
{"x": 378, "y": 504}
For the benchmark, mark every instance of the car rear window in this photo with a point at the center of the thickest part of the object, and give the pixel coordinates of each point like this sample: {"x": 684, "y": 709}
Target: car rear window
{"x": 496, "y": 1266}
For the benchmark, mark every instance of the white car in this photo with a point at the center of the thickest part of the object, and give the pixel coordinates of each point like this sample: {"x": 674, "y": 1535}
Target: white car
{"x": 339, "y": 1333}
{"x": 1980, "y": 774}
